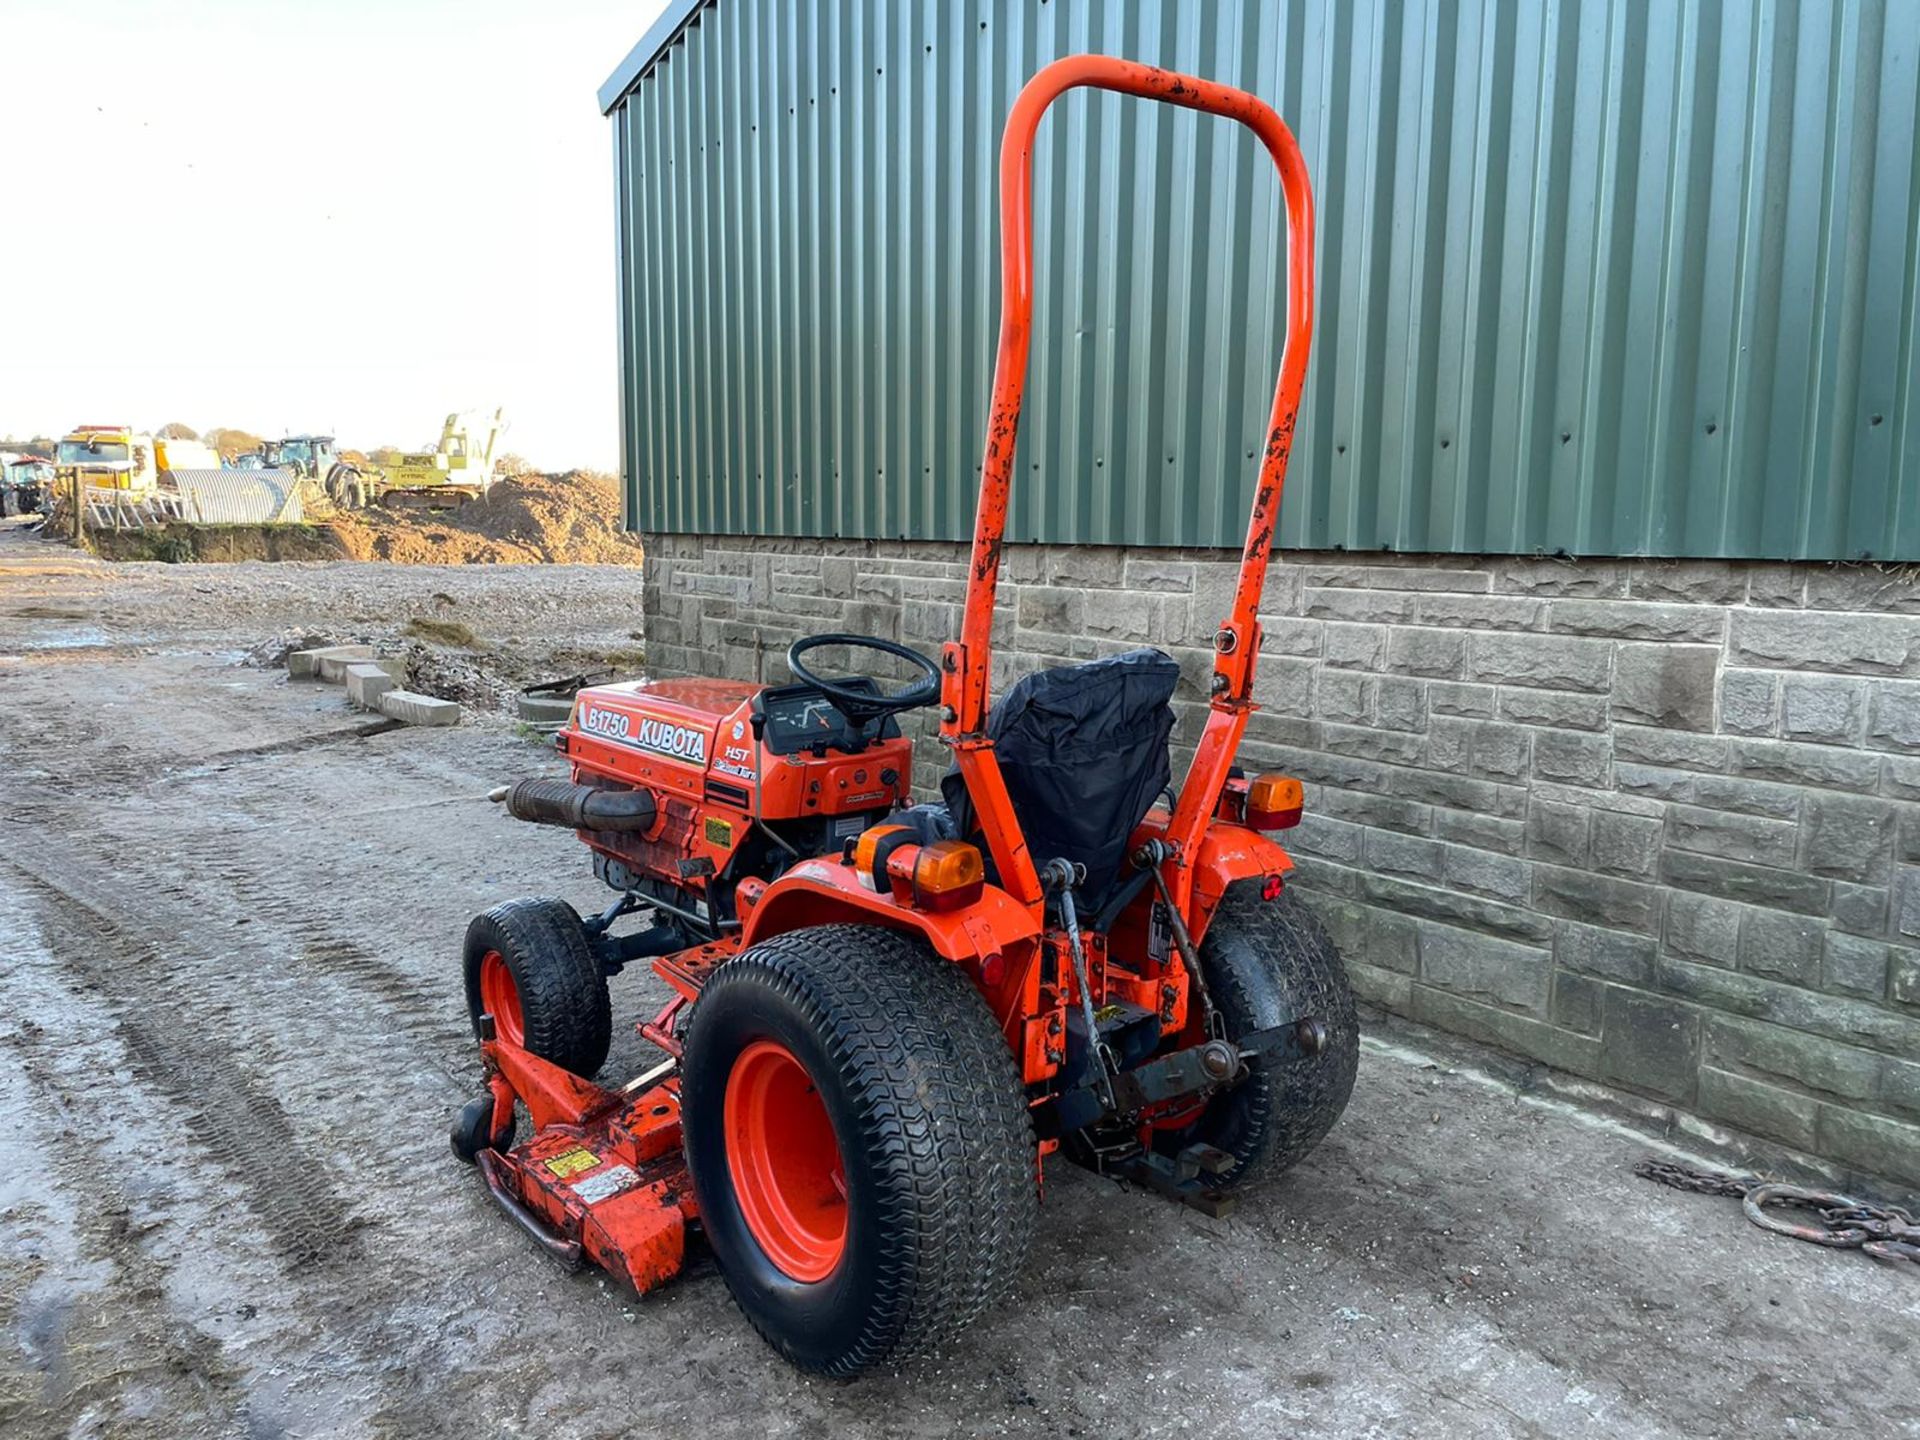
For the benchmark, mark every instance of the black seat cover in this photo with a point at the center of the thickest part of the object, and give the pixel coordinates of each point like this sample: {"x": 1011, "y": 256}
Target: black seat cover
{"x": 1084, "y": 752}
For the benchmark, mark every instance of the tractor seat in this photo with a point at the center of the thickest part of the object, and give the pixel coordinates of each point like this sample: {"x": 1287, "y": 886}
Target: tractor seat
{"x": 1083, "y": 750}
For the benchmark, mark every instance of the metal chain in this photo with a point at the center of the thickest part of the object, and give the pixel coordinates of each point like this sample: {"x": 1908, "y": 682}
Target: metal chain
{"x": 1700, "y": 1182}
{"x": 1885, "y": 1232}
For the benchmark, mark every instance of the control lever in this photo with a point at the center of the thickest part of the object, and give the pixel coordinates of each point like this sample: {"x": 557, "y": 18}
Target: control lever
{"x": 1149, "y": 857}
{"x": 1060, "y": 877}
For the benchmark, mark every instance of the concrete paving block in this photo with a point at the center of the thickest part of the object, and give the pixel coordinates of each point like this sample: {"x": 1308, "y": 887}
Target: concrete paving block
{"x": 544, "y": 709}
{"x": 367, "y": 682}
{"x": 311, "y": 664}
{"x": 333, "y": 668}
{"x": 419, "y": 709}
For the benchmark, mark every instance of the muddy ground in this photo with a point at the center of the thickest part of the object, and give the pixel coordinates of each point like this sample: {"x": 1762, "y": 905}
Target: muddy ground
{"x": 231, "y": 1035}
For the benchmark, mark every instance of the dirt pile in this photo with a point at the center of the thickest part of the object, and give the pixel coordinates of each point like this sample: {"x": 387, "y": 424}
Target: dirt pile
{"x": 447, "y": 659}
{"x": 569, "y": 519}
{"x": 478, "y": 680}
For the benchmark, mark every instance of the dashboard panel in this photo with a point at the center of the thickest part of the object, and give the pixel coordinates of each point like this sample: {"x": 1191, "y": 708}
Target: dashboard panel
{"x": 799, "y": 718}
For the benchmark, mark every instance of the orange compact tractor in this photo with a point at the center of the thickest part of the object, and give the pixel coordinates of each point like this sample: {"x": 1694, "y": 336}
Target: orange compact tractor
{"x": 885, "y": 1016}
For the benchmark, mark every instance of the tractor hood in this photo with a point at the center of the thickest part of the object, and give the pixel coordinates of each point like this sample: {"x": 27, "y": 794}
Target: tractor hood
{"x": 673, "y": 719}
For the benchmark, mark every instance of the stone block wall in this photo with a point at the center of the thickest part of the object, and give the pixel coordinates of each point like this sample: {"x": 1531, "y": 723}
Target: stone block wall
{"x": 1652, "y": 823}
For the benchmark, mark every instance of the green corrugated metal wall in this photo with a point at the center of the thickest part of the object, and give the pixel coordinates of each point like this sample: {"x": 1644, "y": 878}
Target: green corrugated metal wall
{"x": 1598, "y": 276}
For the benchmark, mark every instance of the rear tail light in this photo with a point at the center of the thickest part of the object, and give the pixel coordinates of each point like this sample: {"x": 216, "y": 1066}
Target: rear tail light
{"x": 871, "y": 850}
{"x": 1273, "y": 802}
{"x": 945, "y": 875}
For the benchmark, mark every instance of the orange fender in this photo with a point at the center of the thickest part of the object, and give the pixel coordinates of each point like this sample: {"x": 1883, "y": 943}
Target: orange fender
{"x": 996, "y": 940}
{"x": 1227, "y": 853}
{"x": 826, "y": 892}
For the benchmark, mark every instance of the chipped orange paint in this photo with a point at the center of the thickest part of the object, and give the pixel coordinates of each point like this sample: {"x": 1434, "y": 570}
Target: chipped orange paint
{"x": 968, "y": 662}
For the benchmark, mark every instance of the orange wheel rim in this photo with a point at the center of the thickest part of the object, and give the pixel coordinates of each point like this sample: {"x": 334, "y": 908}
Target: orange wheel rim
{"x": 500, "y": 998}
{"x": 785, "y": 1162}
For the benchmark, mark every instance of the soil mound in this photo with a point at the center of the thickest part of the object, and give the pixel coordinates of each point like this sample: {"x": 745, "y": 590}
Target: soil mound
{"x": 568, "y": 519}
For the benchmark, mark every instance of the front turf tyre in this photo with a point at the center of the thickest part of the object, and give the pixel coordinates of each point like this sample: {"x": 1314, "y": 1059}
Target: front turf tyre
{"x": 473, "y": 1130}
{"x": 1270, "y": 962}
{"x": 859, "y": 1143}
{"x": 528, "y": 965}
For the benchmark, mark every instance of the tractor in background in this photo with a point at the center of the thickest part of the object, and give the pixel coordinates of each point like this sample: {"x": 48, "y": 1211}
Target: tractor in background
{"x": 26, "y": 482}
{"x": 317, "y": 458}
{"x": 461, "y": 467}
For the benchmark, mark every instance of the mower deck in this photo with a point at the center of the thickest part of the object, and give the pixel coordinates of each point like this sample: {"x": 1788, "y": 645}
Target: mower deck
{"x": 603, "y": 1179}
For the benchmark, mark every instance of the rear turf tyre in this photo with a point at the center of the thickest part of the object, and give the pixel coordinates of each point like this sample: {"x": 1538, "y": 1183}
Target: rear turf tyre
{"x": 528, "y": 965}
{"x": 859, "y": 1144}
{"x": 1268, "y": 962}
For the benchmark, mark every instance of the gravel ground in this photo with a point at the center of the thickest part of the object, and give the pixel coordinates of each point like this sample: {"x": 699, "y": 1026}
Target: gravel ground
{"x": 232, "y": 1036}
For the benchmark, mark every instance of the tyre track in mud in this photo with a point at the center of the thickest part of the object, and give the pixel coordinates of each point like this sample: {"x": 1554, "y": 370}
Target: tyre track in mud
{"x": 220, "y": 846}
{"x": 214, "y": 895}
{"x": 273, "y": 914}
{"x": 242, "y": 1127}
{"x": 233, "y": 870}
{"x": 317, "y": 948}
{"x": 91, "y": 1269}
{"x": 327, "y": 940}
{"x": 86, "y": 1350}
{"x": 182, "y": 1019}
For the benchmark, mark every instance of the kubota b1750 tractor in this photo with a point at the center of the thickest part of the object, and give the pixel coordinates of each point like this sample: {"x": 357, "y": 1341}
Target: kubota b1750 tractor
{"x": 885, "y": 1016}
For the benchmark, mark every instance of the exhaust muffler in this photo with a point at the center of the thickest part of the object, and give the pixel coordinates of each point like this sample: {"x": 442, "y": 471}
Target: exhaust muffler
{"x": 580, "y": 807}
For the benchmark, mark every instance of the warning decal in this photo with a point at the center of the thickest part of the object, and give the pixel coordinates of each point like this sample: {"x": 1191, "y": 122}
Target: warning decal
{"x": 610, "y": 1181}
{"x": 572, "y": 1162}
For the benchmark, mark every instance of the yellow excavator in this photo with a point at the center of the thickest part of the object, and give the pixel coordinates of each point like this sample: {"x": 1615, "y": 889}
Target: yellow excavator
{"x": 459, "y": 469}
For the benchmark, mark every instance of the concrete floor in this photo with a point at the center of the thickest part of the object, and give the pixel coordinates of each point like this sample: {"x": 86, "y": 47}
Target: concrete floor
{"x": 231, "y": 1036}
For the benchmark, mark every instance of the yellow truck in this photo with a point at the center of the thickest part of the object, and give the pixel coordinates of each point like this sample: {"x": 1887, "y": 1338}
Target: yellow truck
{"x": 107, "y": 457}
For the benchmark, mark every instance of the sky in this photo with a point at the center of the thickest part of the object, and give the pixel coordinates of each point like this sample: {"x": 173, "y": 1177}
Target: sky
{"x": 346, "y": 216}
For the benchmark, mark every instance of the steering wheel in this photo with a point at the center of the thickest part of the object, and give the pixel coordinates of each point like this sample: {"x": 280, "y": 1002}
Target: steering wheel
{"x": 861, "y": 707}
